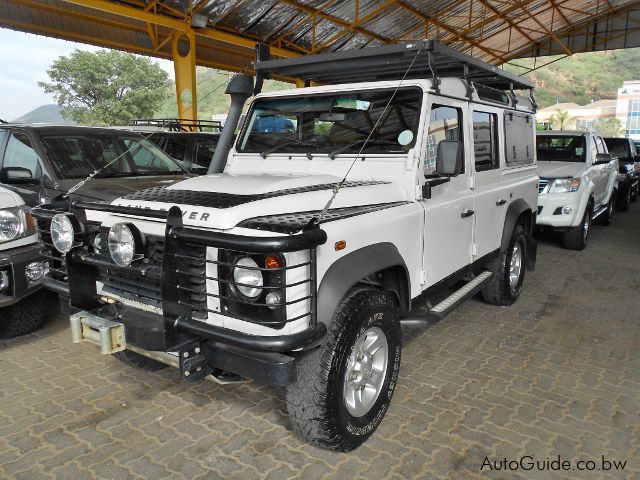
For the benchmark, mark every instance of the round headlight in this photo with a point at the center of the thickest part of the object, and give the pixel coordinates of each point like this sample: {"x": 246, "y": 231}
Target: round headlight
{"x": 62, "y": 233}
{"x": 10, "y": 224}
{"x": 122, "y": 245}
{"x": 249, "y": 278}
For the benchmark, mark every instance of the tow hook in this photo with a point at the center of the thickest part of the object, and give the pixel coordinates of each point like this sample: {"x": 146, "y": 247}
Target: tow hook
{"x": 193, "y": 365}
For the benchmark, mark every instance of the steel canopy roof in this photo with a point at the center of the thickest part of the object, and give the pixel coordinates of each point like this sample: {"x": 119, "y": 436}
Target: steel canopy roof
{"x": 226, "y": 31}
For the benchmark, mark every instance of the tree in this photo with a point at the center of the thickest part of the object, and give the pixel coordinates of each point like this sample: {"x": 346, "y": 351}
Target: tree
{"x": 611, "y": 127}
{"x": 561, "y": 118}
{"x": 106, "y": 87}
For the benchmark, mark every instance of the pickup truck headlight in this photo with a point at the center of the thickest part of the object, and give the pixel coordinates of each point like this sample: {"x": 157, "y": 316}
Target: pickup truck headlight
{"x": 564, "y": 185}
{"x": 16, "y": 222}
{"x": 247, "y": 280}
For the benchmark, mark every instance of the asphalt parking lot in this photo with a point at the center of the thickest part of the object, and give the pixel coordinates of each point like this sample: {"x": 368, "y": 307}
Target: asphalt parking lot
{"x": 556, "y": 374}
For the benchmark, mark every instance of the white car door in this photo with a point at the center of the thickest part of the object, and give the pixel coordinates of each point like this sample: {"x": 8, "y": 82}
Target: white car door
{"x": 450, "y": 210}
{"x": 602, "y": 173}
{"x": 490, "y": 191}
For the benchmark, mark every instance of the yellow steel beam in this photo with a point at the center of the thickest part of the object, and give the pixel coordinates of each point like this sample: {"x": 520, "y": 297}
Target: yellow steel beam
{"x": 183, "y": 49}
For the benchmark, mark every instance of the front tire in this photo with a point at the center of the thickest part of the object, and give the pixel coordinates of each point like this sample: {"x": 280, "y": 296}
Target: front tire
{"x": 23, "y": 317}
{"x": 505, "y": 285}
{"x": 345, "y": 386}
{"x": 576, "y": 238}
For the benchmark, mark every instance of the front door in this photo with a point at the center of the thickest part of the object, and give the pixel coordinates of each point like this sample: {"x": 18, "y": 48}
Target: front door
{"x": 450, "y": 210}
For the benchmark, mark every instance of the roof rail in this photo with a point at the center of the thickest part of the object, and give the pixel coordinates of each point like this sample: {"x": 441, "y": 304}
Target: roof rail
{"x": 178, "y": 124}
{"x": 391, "y": 62}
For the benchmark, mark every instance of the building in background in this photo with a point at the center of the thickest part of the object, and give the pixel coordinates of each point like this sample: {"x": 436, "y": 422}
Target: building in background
{"x": 571, "y": 116}
{"x": 628, "y": 108}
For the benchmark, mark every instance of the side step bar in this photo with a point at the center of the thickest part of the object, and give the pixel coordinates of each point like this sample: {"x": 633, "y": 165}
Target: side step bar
{"x": 446, "y": 306}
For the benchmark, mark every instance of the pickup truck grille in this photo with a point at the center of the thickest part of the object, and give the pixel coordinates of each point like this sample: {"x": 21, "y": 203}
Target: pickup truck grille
{"x": 543, "y": 185}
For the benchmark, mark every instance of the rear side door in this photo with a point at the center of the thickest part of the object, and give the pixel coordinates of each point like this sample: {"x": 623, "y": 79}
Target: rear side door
{"x": 20, "y": 155}
{"x": 449, "y": 212}
{"x": 491, "y": 195}
{"x": 604, "y": 174}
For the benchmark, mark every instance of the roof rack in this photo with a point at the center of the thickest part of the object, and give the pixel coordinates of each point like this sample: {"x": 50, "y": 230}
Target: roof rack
{"x": 391, "y": 62}
{"x": 178, "y": 124}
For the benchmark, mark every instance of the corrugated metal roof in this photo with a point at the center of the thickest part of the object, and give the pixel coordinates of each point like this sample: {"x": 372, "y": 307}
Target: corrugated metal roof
{"x": 226, "y": 30}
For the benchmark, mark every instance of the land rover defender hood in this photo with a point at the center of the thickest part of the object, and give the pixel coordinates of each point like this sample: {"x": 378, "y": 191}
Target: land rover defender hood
{"x": 225, "y": 201}
{"x": 554, "y": 169}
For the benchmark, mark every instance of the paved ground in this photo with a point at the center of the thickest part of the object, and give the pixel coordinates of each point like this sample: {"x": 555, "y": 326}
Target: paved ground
{"x": 556, "y": 374}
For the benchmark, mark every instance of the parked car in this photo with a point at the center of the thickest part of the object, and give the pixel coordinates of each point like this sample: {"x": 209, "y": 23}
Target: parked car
{"x": 294, "y": 266}
{"x": 45, "y": 164}
{"x": 21, "y": 268}
{"x": 578, "y": 184}
{"x": 629, "y": 176}
{"x": 191, "y": 143}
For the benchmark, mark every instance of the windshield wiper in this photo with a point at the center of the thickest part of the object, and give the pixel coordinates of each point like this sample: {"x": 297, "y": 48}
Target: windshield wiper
{"x": 287, "y": 144}
{"x": 338, "y": 151}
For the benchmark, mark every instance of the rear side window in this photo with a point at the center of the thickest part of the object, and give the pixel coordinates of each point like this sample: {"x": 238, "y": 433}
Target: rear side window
{"x": 518, "y": 139}
{"x": 20, "y": 153}
{"x": 173, "y": 145}
{"x": 600, "y": 146}
{"x": 485, "y": 141}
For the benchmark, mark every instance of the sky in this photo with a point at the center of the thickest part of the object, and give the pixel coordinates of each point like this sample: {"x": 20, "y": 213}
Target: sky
{"x": 25, "y": 60}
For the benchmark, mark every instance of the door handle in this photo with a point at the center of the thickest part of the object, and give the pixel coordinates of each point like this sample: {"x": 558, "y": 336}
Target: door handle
{"x": 467, "y": 213}
{"x": 501, "y": 202}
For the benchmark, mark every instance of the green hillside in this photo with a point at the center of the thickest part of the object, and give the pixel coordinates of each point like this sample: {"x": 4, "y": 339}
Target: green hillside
{"x": 44, "y": 114}
{"x": 583, "y": 77}
{"x": 211, "y": 97}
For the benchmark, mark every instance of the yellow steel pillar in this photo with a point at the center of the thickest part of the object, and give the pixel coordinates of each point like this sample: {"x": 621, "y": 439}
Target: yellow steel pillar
{"x": 184, "y": 64}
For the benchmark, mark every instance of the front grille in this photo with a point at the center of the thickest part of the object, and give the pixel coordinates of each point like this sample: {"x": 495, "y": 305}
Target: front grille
{"x": 141, "y": 281}
{"x": 543, "y": 185}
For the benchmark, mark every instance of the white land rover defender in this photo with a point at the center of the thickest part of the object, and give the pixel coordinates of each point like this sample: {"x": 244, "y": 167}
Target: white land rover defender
{"x": 401, "y": 186}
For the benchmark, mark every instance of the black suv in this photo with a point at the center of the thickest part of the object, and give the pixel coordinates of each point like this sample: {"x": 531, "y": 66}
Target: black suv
{"x": 629, "y": 177}
{"x": 43, "y": 163}
{"x": 190, "y": 143}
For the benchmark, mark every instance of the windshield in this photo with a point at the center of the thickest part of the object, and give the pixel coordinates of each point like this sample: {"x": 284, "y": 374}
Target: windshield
{"x": 619, "y": 147}
{"x": 561, "y": 148}
{"x": 76, "y": 156}
{"x": 335, "y": 123}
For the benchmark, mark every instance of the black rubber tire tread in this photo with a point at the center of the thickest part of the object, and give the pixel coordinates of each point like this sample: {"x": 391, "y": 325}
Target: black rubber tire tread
{"x": 498, "y": 290}
{"x": 314, "y": 402}
{"x": 622, "y": 205}
{"x": 573, "y": 238}
{"x": 634, "y": 194}
{"x": 25, "y": 316}
{"x": 141, "y": 362}
{"x": 606, "y": 217}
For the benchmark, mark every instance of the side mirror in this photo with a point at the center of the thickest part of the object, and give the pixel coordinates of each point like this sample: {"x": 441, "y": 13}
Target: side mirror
{"x": 449, "y": 158}
{"x": 17, "y": 175}
{"x": 602, "y": 159}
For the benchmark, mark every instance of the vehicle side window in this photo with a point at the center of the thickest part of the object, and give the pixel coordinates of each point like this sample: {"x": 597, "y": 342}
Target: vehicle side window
{"x": 485, "y": 141}
{"x": 445, "y": 123}
{"x": 600, "y": 145}
{"x": 203, "y": 155}
{"x": 20, "y": 153}
{"x": 518, "y": 139}
{"x": 176, "y": 147}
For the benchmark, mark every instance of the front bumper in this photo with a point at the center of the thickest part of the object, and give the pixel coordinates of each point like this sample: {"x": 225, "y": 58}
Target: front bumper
{"x": 550, "y": 209}
{"x": 14, "y": 262}
{"x": 263, "y": 357}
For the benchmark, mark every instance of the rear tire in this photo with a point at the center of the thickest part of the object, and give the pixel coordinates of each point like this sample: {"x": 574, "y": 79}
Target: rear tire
{"x": 606, "y": 217}
{"x": 141, "y": 362}
{"x": 345, "y": 386}
{"x": 577, "y": 238}
{"x": 622, "y": 205}
{"x": 23, "y": 317}
{"x": 505, "y": 285}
